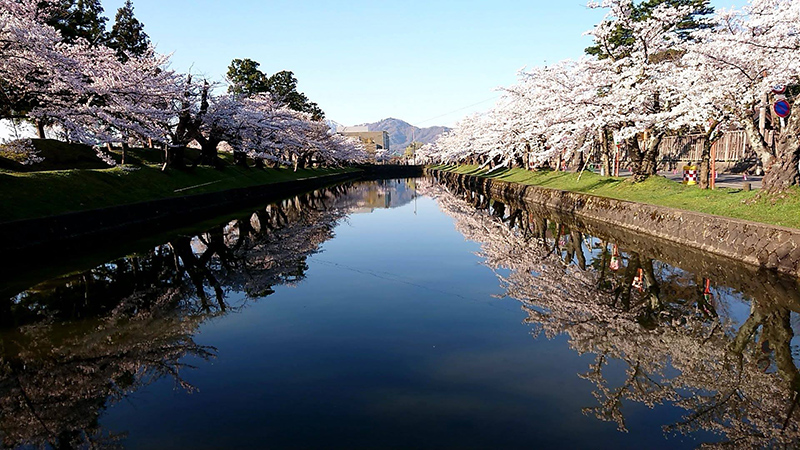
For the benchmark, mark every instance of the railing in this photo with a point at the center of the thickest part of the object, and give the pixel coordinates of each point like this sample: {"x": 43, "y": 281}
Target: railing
{"x": 730, "y": 148}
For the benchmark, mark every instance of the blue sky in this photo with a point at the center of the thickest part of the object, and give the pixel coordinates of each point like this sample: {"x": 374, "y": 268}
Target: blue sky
{"x": 427, "y": 62}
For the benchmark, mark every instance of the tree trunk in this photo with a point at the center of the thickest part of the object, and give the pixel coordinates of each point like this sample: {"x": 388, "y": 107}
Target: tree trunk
{"x": 711, "y": 137}
{"x": 704, "y": 178}
{"x": 208, "y": 152}
{"x": 40, "y": 129}
{"x": 758, "y": 143}
{"x": 644, "y": 162}
{"x": 527, "y": 159}
{"x": 174, "y": 157}
{"x": 606, "y": 152}
{"x": 125, "y": 149}
{"x": 240, "y": 158}
{"x": 783, "y": 172}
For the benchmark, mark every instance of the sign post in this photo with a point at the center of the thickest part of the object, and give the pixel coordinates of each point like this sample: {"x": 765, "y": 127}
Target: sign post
{"x": 782, "y": 109}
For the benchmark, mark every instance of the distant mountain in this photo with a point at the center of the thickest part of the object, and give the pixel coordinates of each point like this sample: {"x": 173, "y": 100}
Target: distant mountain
{"x": 333, "y": 125}
{"x": 402, "y": 133}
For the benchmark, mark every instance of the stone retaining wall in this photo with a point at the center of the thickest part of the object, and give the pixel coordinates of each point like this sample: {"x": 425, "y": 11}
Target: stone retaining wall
{"x": 126, "y": 222}
{"x": 768, "y": 246}
{"x": 386, "y": 171}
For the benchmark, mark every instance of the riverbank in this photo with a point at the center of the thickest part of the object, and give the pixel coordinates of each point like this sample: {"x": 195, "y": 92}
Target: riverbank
{"x": 783, "y": 210}
{"x": 758, "y": 244}
{"x": 35, "y": 195}
{"x": 74, "y": 231}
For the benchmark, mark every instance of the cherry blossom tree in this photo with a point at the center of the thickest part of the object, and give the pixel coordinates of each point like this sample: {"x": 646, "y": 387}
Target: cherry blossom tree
{"x": 745, "y": 55}
{"x": 96, "y": 97}
{"x": 658, "y": 68}
{"x": 37, "y": 67}
{"x": 93, "y": 96}
{"x": 124, "y": 100}
{"x": 643, "y": 91}
{"x": 571, "y": 106}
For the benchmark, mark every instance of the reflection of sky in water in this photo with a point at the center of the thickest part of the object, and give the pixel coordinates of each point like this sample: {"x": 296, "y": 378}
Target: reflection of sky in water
{"x": 395, "y": 338}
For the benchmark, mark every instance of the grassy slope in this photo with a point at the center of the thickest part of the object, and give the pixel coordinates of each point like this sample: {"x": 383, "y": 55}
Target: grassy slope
{"x": 783, "y": 210}
{"x": 57, "y": 156}
{"x": 46, "y": 193}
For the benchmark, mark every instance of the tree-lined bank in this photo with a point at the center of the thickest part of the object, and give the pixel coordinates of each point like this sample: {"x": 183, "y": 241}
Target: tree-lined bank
{"x": 657, "y": 68}
{"x": 64, "y": 73}
{"x": 736, "y": 203}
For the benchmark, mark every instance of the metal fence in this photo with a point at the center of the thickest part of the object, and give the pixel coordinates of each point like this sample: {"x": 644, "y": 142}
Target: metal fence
{"x": 732, "y": 147}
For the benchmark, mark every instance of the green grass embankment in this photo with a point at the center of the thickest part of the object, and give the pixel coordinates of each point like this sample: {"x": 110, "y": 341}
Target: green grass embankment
{"x": 783, "y": 209}
{"x": 28, "y": 195}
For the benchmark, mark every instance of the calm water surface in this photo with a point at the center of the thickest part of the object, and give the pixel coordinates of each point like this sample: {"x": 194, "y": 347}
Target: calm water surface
{"x": 403, "y": 314}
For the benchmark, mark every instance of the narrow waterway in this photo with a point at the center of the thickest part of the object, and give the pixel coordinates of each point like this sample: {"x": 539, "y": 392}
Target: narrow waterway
{"x": 401, "y": 314}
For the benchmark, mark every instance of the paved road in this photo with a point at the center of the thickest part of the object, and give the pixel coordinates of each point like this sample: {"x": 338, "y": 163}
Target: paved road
{"x": 727, "y": 180}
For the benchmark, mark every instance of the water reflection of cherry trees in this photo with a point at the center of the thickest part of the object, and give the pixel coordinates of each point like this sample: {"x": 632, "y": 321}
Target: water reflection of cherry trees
{"x": 72, "y": 346}
{"x": 671, "y": 326}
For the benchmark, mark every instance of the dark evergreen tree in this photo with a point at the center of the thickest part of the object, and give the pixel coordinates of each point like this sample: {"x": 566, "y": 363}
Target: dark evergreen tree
{"x": 58, "y": 13}
{"x": 246, "y": 79}
{"x": 78, "y": 19}
{"x": 127, "y": 35}
{"x": 617, "y": 46}
{"x": 283, "y": 87}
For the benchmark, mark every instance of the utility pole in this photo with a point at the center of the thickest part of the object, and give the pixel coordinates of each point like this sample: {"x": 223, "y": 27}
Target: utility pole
{"x": 413, "y": 148}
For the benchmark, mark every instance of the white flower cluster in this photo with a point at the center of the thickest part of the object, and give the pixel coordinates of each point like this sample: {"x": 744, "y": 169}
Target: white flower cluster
{"x": 97, "y": 99}
{"x": 664, "y": 79}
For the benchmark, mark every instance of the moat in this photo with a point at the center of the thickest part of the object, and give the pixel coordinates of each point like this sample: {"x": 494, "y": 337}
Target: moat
{"x": 399, "y": 314}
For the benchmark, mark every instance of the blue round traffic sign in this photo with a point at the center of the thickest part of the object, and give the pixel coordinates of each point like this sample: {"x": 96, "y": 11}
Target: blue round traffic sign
{"x": 782, "y": 108}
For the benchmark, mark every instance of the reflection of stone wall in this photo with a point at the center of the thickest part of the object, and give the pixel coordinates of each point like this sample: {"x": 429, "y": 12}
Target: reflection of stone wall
{"x": 768, "y": 246}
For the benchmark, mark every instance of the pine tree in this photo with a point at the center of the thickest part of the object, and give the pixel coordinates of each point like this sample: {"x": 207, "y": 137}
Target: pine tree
{"x": 58, "y": 13}
{"x": 246, "y": 79}
{"x": 127, "y": 35}
{"x": 616, "y": 46}
{"x": 78, "y": 19}
{"x": 87, "y": 22}
{"x": 283, "y": 87}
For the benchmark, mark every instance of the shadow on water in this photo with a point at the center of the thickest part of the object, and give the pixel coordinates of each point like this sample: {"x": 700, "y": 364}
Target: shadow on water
{"x": 72, "y": 346}
{"x": 663, "y": 311}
